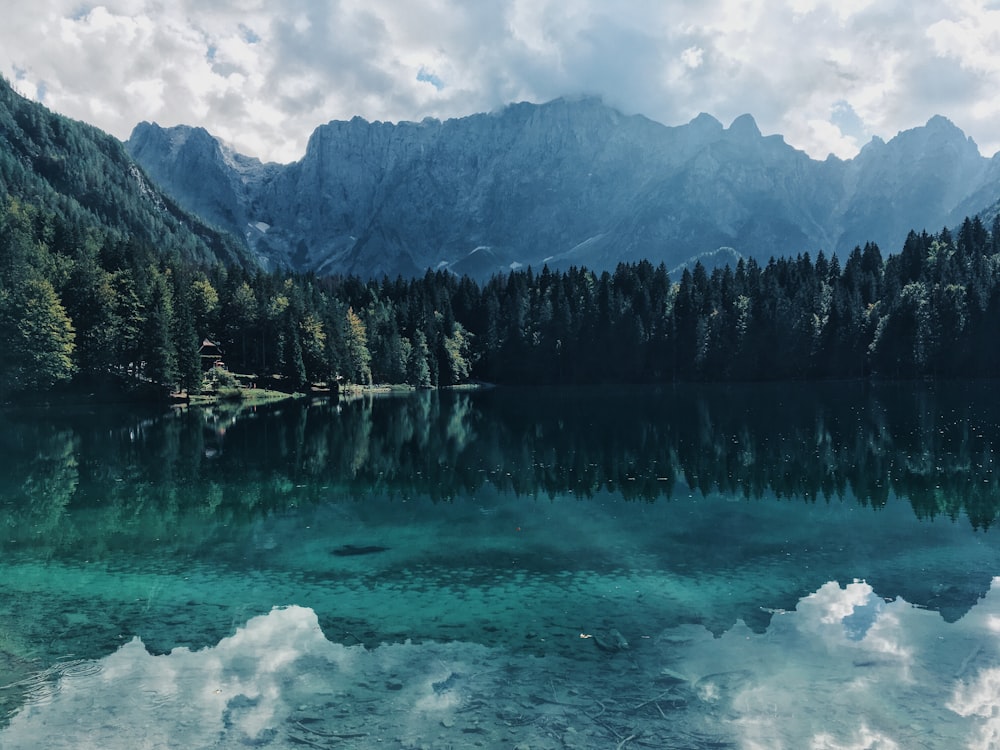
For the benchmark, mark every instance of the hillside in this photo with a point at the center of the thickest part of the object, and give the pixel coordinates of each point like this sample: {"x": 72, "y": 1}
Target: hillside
{"x": 87, "y": 179}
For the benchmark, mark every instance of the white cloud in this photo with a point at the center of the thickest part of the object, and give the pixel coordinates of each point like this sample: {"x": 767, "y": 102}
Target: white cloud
{"x": 264, "y": 76}
{"x": 692, "y": 57}
{"x": 844, "y": 670}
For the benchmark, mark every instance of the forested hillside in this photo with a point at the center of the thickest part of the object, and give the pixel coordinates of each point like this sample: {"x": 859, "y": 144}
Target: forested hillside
{"x": 102, "y": 277}
{"x": 85, "y": 178}
{"x": 84, "y": 238}
{"x": 74, "y": 303}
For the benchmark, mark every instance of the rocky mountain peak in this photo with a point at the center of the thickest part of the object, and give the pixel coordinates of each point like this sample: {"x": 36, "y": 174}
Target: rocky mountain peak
{"x": 569, "y": 182}
{"x": 178, "y": 139}
{"x": 745, "y": 128}
{"x": 940, "y": 123}
{"x": 705, "y": 123}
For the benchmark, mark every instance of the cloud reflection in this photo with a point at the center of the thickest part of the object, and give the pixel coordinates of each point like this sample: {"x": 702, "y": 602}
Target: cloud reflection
{"x": 844, "y": 669}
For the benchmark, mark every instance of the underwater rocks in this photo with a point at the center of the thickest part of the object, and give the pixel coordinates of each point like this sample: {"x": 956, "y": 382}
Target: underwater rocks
{"x": 612, "y": 642}
{"x": 351, "y": 550}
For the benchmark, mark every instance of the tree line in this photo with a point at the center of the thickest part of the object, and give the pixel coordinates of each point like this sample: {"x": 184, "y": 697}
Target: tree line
{"x": 78, "y": 301}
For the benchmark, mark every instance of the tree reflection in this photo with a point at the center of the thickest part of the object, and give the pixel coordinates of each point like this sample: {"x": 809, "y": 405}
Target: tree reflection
{"x": 167, "y": 475}
{"x": 36, "y": 496}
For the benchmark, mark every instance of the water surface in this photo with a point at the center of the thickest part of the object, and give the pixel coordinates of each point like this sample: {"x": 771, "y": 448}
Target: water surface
{"x": 741, "y": 566}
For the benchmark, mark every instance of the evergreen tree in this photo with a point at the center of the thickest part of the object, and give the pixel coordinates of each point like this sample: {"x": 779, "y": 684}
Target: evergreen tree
{"x": 240, "y": 312}
{"x": 37, "y": 338}
{"x": 158, "y": 342}
{"x": 90, "y": 300}
{"x": 187, "y": 343}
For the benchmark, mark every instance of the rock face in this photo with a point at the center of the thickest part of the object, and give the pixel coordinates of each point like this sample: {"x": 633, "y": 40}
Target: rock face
{"x": 571, "y": 182}
{"x": 204, "y": 176}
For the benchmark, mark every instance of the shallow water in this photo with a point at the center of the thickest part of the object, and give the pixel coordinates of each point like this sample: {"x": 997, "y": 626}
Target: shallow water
{"x": 748, "y": 567}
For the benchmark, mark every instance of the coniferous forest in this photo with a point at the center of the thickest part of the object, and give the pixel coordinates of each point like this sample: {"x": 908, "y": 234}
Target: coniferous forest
{"x": 103, "y": 278}
{"x": 78, "y": 302}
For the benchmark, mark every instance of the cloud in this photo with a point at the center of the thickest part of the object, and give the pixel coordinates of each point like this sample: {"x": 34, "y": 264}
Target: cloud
{"x": 844, "y": 669}
{"x": 263, "y": 77}
{"x": 692, "y": 57}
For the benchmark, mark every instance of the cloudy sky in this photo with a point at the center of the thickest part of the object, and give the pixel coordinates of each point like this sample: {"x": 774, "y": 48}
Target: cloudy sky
{"x": 263, "y": 74}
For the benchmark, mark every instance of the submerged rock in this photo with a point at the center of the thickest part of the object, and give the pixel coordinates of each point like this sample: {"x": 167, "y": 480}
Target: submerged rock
{"x": 614, "y": 641}
{"x": 351, "y": 550}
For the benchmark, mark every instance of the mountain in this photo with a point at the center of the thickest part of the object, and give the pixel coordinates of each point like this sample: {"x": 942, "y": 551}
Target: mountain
{"x": 87, "y": 178}
{"x": 190, "y": 162}
{"x": 570, "y": 182}
{"x": 917, "y": 180}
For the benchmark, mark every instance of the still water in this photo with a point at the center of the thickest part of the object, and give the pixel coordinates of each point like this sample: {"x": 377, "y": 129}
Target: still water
{"x": 700, "y": 567}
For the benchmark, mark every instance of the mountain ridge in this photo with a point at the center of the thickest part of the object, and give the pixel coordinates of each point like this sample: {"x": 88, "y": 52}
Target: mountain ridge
{"x": 569, "y": 182}
{"x": 86, "y": 177}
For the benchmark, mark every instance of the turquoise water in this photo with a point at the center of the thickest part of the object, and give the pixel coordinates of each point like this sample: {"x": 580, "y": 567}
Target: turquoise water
{"x": 747, "y": 567}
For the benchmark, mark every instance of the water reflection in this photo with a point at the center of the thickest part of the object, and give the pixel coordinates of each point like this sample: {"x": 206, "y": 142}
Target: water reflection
{"x": 456, "y": 546}
{"x": 933, "y": 446}
{"x": 885, "y": 674}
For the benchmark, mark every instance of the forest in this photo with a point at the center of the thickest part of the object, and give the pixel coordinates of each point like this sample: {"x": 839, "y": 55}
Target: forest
{"x": 103, "y": 278}
{"x": 79, "y": 302}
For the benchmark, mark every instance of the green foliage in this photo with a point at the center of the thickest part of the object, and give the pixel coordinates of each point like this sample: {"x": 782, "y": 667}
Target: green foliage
{"x": 85, "y": 178}
{"x": 36, "y": 336}
{"x": 187, "y": 344}
{"x": 456, "y": 348}
{"x": 221, "y": 379}
{"x": 90, "y": 298}
{"x": 158, "y": 344}
{"x": 358, "y": 355}
{"x": 930, "y": 311}
{"x": 418, "y": 373}
{"x": 100, "y": 274}
{"x": 203, "y": 301}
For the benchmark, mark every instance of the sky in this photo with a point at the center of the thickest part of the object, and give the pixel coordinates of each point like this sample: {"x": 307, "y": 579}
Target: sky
{"x": 262, "y": 75}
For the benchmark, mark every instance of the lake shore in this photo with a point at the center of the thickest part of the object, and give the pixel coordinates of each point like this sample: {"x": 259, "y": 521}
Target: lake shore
{"x": 249, "y": 390}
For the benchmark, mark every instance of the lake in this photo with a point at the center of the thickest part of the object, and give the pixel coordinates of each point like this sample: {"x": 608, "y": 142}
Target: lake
{"x": 754, "y": 566}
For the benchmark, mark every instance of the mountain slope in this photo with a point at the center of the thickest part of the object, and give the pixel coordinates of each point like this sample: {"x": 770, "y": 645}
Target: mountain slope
{"x": 570, "y": 182}
{"x": 87, "y": 177}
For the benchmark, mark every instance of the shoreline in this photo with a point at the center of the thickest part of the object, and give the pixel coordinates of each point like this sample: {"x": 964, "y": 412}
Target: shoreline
{"x": 148, "y": 395}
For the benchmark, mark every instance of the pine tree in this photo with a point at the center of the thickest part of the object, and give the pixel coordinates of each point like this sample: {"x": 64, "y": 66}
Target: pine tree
{"x": 187, "y": 344}
{"x": 158, "y": 345}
